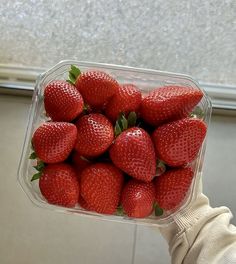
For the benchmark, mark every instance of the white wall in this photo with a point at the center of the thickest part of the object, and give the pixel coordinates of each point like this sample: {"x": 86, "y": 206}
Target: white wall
{"x": 219, "y": 172}
{"x": 33, "y": 235}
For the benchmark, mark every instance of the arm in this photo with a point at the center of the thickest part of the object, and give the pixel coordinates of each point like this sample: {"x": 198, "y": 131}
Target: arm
{"x": 203, "y": 235}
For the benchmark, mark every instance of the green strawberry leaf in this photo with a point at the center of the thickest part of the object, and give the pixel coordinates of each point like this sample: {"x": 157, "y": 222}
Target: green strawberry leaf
{"x": 158, "y": 210}
{"x": 197, "y": 113}
{"x": 120, "y": 116}
{"x": 132, "y": 118}
{"x": 73, "y": 74}
{"x": 124, "y": 122}
{"x": 75, "y": 70}
{"x": 39, "y": 166}
{"x": 33, "y": 155}
{"x": 36, "y": 176}
{"x": 118, "y": 129}
{"x": 72, "y": 77}
{"x": 69, "y": 81}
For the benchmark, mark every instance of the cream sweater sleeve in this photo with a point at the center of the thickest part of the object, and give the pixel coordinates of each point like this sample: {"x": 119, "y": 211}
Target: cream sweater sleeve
{"x": 203, "y": 235}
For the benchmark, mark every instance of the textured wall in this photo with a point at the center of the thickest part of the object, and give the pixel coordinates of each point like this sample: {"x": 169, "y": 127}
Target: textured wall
{"x": 188, "y": 36}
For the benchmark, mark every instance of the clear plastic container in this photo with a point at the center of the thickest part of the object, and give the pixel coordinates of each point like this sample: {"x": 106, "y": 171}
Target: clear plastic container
{"x": 146, "y": 80}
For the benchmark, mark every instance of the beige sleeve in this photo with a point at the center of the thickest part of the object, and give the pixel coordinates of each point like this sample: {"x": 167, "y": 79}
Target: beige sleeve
{"x": 202, "y": 235}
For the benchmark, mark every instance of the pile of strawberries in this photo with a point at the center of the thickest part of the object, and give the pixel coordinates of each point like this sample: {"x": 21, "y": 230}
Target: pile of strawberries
{"x": 111, "y": 150}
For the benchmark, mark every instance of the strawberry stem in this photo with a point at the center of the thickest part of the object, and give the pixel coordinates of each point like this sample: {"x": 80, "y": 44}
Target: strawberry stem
{"x": 120, "y": 211}
{"x": 83, "y": 158}
{"x": 161, "y": 167}
{"x": 87, "y": 109}
{"x": 73, "y": 74}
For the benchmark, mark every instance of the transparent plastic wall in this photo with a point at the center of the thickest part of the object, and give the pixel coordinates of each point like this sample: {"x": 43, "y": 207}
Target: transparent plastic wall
{"x": 146, "y": 80}
{"x": 187, "y": 36}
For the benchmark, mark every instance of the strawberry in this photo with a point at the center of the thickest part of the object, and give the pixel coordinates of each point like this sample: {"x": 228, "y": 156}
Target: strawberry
{"x": 59, "y": 185}
{"x": 95, "y": 135}
{"x": 169, "y": 103}
{"x": 62, "y": 101}
{"x": 53, "y": 141}
{"x": 138, "y": 198}
{"x": 133, "y": 152}
{"x": 96, "y": 87}
{"x": 83, "y": 204}
{"x": 126, "y": 100}
{"x": 79, "y": 163}
{"x": 101, "y": 185}
{"x": 178, "y": 143}
{"x": 172, "y": 187}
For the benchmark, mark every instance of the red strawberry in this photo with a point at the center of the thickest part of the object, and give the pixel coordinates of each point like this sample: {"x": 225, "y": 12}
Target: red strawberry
{"x": 172, "y": 187}
{"x": 62, "y": 101}
{"x": 133, "y": 152}
{"x": 137, "y": 198}
{"x": 53, "y": 141}
{"x": 79, "y": 163}
{"x": 101, "y": 185}
{"x": 83, "y": 204}
{"x": 178, "y": 143}
{"x": 59, "y": 185}
{"x": 96, "y": 87}
{"x": 126, "y": 100}
{"x": 169, "y": 103}
{"x": 95, "y": 135}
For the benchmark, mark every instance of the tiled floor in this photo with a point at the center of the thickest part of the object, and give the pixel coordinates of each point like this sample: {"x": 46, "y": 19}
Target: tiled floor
{"x": 33, "y": 235}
